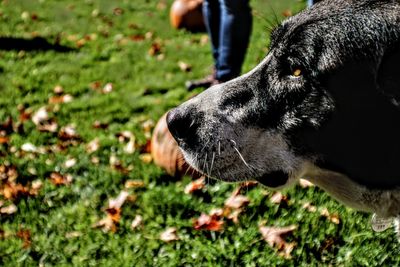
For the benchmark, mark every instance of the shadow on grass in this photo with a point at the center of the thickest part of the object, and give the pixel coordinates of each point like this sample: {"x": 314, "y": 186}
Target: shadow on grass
{"x": 34, "y": 44}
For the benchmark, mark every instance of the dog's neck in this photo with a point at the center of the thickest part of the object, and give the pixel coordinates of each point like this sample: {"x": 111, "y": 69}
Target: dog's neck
{"x": 385, "y": 203}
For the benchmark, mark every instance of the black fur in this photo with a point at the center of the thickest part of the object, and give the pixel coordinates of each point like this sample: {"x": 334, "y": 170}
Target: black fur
{"x": 342, "y": 112}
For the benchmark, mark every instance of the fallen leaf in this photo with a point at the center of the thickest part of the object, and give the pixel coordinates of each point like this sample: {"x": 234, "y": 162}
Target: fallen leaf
{"x": 137, "y": 222}
{"x": 155, "y": 49}
{"x": 304, "y": 183}
{"x": 207, "y": 222}
{"x": 10, "y": 209}
{"x": 124, "y": 136}
{"x": 185, "y": 67}
{"x": 29, "y": 147}
{"x": 25, "y": 235}
{"x": 70, "y": 163}
{"x": 137, "y": 37}
{"x": 117, "y": 202}
{"x": 68, "y": 133}
{"x": 100, "y": 125}
{"x": 106, "y": 224}
{"x": 134, "y": 184}
{"x": 195, "y": 185}
{"x": 287, "y": 13}
{"x": 277, "y": 198}
{"x": 60, "y": 99}
{"x": 4, "y": 140}
{"x": 236, "y": 201}
{"x": 50, "y": 126}
{"x": 170, "y": 234}
{"x": 118, "y": 11}
{"x": 93, "y": 145}
{"x": 73, "y": 234}
{"x": 309, "y": 207}
{"x": 331, "y": 217}
{"x": 40, "y": 116}
{"x": 58, "y": 89}
{"x": 108, "y": 88}
{"x": 146, "y": 158}
{"x": 274, "y": 236}
{"x": 58, "y": 179}
{"x": 130, "y": 146}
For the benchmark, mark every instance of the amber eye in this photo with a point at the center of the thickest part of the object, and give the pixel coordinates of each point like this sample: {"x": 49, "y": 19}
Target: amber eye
{"x": 296, "y": 73}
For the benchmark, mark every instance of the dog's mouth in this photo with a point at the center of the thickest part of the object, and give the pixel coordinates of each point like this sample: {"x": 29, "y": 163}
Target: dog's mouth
{"x": 274, "y": 179}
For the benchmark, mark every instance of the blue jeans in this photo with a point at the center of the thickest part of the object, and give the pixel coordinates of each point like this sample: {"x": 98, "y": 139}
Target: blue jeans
{"x": 229, "y": 24}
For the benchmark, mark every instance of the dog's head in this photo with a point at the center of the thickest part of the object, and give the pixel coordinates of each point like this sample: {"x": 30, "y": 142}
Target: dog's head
{"x": 298, "y": 104}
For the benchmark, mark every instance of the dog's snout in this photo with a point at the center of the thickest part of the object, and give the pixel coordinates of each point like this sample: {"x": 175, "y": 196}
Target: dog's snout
{"x": 179, "y": 124}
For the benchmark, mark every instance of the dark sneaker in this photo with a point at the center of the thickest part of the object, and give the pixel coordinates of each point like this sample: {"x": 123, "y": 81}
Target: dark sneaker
{"x": 203, "y": 83}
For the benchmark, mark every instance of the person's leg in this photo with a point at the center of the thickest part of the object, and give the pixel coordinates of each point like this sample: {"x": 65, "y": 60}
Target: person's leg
{"x": 234, "y": 35}
{"x": 212, "y": 19}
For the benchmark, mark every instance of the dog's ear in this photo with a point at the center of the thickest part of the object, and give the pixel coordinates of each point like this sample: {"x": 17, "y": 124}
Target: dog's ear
{"x": 388, "y": 75}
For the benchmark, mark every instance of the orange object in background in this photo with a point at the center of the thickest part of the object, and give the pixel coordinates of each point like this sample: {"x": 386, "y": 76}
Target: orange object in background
{"x": 187, "y": 14}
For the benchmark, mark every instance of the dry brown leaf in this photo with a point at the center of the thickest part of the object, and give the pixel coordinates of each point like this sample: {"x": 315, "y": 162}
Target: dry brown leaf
{"x": 58, "y": 89}
{"x": 274, "y": 236}
{"x": 60, "y": 99}
{"x": 50, "y": 126}
{"x": 4, "y": 140}
{"x": 170, "y": 234}
{"x": 287, "y": 13}
{"x": 117, "y": 202}
{"x": 130, "y": 146}
{"x": 195, "y": 185}
{"x": 137, "y": 222}
{"x": 305, "y": 183}
{"x": 237, "y": 201}
{"x": 134, "y": 184}
{"x": 185, "y": 67}
{"x": 108, "y": 88}
{"x": 155, "y": 49}
{"x": 100, "y": 125}
{"x": 308, "y": 206}
{"x": 106, "y": 224}
{"x": 29, "y": 147}
{"x": 10, "y": 209}
{"x": 234, "y": 215}
{"x": 58, "y": 179}
{"x": 73, "y": 234}
{"x": 93, "y": 145}
{"x": 70, "y": 163}
{"x": 25, "y": 235}
{"x": 124, "y": 136}
{"x": 146, "y": 158}
{"x": 278, "y": 197}
{"x": 137, "y": 37}
{"x": 68, "y": 133}
{"x": 40, "y": 116}
{"x": 334, "y": 218}
{"x": 207, "y": 222}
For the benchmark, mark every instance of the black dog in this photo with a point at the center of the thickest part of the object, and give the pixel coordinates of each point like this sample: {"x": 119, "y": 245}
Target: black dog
{"x": 324, "y": 105}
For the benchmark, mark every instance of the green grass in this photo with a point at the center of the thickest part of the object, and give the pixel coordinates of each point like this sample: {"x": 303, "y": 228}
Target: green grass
{"x": 145, "y": 87}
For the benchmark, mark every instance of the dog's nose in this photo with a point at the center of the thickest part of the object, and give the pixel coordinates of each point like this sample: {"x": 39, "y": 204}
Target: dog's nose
{"x": 179, "y": 124}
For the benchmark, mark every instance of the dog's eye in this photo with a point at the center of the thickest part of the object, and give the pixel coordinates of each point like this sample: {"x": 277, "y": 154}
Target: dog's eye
{"x": 296, "y": 72}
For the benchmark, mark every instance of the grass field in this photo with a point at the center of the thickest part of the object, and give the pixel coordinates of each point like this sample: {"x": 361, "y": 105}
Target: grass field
{"x": 117, "y": 63}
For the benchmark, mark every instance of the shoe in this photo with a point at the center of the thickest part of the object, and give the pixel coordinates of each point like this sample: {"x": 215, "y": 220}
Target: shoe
{"x": 206, "y": 82}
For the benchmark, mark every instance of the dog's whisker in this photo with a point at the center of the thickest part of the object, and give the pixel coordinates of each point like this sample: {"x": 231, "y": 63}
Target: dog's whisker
{"x": 212, "y": 162}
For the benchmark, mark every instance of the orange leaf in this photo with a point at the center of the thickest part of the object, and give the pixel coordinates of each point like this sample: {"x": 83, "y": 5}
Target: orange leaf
{"x": 207, "y": 222}
{"x": 195, "y": 185}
